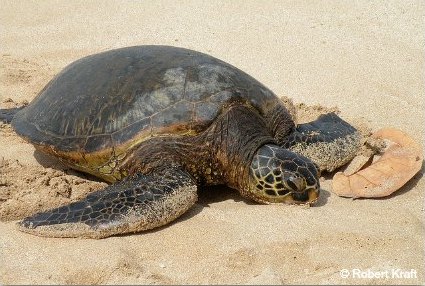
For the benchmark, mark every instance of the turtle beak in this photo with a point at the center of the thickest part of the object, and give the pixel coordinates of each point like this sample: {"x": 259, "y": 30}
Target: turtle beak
{"x": 313, "y": 195}
{"x": 309, "y": 196}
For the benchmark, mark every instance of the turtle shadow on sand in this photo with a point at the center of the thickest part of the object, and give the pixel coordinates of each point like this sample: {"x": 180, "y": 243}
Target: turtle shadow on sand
{"x": 48, "y": 161}
{"x": 323, "y": 198}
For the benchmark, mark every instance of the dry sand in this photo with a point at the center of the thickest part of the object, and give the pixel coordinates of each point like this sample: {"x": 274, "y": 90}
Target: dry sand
{"x": 365, "y": 58}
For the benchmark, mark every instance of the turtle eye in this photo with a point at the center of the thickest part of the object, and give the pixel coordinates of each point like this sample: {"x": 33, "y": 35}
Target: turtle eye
{"x": 295, "y": 183}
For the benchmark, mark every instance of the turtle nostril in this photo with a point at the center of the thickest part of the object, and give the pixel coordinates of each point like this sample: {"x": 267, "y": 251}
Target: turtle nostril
{"x": 297, "y": 184}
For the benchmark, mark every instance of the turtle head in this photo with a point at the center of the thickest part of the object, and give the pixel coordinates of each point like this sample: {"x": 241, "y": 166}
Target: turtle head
{"x": 278, "y": 175}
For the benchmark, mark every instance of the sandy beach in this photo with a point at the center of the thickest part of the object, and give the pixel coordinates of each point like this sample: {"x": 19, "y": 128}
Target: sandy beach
{"x": 366, "y": 59}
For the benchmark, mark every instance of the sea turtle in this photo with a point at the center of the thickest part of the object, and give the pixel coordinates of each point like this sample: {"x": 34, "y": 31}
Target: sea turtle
{"x": 157, "y": 122}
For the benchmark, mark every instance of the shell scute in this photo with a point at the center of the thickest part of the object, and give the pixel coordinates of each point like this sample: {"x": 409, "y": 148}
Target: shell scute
{"x": 129, "y": 132}
{"x": 204, "y": 111}
{"x": 99, "y": 141}
{"x": 207, "y": 79}
{"x": 177, "y": 116}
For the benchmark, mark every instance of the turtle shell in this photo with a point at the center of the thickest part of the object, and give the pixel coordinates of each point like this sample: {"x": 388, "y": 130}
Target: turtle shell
{"x": 119, "y": 98}
{"x": 107, "y": 99}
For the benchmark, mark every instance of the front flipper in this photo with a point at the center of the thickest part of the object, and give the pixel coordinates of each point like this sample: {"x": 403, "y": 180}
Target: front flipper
{"x": 329, "y": 141}
{"x": 137, "y": 203}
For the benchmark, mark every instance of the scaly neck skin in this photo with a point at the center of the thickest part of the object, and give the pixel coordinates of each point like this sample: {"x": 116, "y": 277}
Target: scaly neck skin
{"x": 280, "y": 121}
{"x": 222, "y": 154}
{"x": 235, "y": 137}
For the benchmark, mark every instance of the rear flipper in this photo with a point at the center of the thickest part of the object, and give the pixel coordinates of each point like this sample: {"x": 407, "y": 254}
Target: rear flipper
{"x": 329, "y": 141}
{"x": 137, "y": 203}
{"x": 6, "y": 115}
